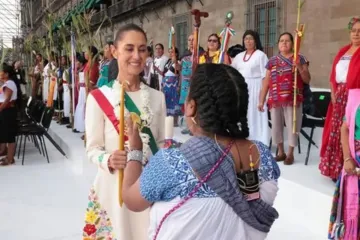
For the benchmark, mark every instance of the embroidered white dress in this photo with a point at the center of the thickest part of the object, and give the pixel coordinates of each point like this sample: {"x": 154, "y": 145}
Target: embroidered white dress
{"x": 79, "y": 121}
{"x": 254, "y": 72}
{"x": 45, "y": 90}
{"x": 102, "y": 139}
{"x": 66, "y": 94}
{"x": 159, "y": 62}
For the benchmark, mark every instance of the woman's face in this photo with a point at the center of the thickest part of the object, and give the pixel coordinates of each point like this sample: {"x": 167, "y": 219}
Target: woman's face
{"x": 285, "y": 44}
{"x": 355, "y": 34}
{"x": 86, "y": 55}
{"x": 249, "y": 42}
{"x": 3, "y": 76}
{"x": 107, "y": 52}
{"x": 213, "y": 43}
{"x": 131, "y": 53}
{"x": 78, "y": 65}
{"x": 171, "y": 53}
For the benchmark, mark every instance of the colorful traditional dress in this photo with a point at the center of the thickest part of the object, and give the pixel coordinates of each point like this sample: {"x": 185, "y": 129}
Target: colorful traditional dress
{"x": 169, "y": 178}
{"x": 344, "y": 218}
{"x": 104, "y": 74}
{"x": 345, "y": 75}
{"x": 186, "y": 71}
{"x": 332, "y": 162}
{"x": 254, "y": 71}
{"x": 170, "y": 86}
{"x": 281, "y": 98}
{"x": 206, "y": 58}
{"x": 105, "y": 219}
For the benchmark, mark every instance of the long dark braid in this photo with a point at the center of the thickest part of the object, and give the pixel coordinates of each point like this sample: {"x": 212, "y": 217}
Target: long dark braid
{"x": 221, "y": 96}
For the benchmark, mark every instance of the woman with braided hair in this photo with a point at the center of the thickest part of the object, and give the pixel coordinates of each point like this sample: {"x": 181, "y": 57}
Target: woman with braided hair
{"x": 230, "y": 182}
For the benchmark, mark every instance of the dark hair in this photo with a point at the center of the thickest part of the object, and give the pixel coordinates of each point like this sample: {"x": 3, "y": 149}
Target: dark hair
{"x": 127, "y": 28}
{"x": 39, "y": 54}
{"x": 93, "y": 51}
{"x": 221, "y": 97}
{"x": 217, "y": 37}
{"x": 290, "y": 36}
{"x": 150, "y": 50}
{"x": 235, "y": 50}
{"x": 256, "y": 37}
{"x": 176, "y": 53}
{"x": 80, "y": 58}
{"x": 10, "y": 71}
{"x": 110, "y": 43}
{"x": 160, "y": 45}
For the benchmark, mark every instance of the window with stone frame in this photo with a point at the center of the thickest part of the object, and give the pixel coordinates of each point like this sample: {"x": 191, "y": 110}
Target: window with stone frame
{"x": 263, "y": 17}
{"x": 182, "y": 31}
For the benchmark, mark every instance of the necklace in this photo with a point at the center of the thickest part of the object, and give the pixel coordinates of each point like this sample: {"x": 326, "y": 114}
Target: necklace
{"x": 244, "y": 58}
{"x": 146, "y": 115}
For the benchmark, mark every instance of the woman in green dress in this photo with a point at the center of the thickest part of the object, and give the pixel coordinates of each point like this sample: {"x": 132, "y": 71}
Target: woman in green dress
{"x": 104, "y": 69}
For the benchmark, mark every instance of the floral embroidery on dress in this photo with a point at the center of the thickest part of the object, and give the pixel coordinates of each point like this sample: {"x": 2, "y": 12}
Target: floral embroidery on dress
{"x": 97, "y": 223}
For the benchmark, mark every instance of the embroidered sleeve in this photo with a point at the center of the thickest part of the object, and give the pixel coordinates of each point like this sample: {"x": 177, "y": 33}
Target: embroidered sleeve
{"x": 94, "y": 127}
{"x": 156, "y": 178}
{"x": 268, "y": 169}
{"x": 303, "y": 60}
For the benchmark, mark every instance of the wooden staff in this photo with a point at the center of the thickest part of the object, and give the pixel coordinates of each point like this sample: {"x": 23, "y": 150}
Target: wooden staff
{"x": 172, "y": 44}
{"x": 121, "y": 138}
{"x": 299, "y": 35}
{"x": 226, "y": 34}
{"x": 197, "y": 17}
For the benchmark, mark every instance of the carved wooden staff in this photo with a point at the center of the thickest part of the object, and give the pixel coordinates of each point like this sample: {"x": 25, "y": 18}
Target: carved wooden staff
{"x": 172, "y": 44}
{"x": 197, "y": 17}
{"x": 121, "y": 138}
{"x": 299, "y": 34}
{"x": 226, "y": 34}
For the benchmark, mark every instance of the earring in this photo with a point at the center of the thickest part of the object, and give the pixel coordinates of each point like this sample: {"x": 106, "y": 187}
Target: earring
{"x": 193, "y": 119}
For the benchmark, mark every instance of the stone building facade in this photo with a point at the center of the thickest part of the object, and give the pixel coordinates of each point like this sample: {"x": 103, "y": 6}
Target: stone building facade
{"x": 326, "y": 23}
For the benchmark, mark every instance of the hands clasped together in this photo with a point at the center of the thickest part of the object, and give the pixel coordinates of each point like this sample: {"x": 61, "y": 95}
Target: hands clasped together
{"x": 118, "y": 159}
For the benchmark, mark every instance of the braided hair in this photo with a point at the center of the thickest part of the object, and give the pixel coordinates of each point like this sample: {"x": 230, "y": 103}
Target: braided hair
{"x": 221, "y": 98}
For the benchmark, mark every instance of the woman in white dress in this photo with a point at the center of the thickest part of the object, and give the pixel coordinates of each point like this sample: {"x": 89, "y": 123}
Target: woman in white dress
{"x": 80, "y": 96}
{"x": 218, "y": 185}
{"x": 105, "y": 219}
{"x": 251, "y": 64}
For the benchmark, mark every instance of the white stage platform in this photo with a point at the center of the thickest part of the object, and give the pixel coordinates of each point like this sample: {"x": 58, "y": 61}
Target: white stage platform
{"x": 43, "y": 201}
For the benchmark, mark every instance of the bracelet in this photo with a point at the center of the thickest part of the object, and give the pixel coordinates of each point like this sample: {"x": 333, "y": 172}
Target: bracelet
{"x": 135, "y": 155}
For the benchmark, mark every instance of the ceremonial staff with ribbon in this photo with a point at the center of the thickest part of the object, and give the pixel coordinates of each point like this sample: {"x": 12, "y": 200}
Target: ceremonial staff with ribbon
{"x": 172, "y": 44}
{"x": 225, "y": 35}
{"x": 121, "y": 138}
{"x": 197, "y": 17}
{"x": 299, "y": 35}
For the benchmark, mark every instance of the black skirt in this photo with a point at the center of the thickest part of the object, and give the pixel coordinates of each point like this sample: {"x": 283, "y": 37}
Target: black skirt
{"x": 8, "y": 125}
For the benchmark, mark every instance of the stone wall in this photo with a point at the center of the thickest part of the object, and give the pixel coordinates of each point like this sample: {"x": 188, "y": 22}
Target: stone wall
{"x": 325, "y": 32}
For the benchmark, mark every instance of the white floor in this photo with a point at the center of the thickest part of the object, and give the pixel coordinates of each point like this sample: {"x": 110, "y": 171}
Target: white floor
{"x": 41, "y": 201}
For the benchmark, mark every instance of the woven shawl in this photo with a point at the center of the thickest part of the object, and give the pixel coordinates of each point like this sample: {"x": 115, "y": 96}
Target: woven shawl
{"x": 202, "y": 153}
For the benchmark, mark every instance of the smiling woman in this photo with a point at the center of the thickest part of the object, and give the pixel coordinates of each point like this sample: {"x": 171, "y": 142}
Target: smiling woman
{"x": 104, "y": 216}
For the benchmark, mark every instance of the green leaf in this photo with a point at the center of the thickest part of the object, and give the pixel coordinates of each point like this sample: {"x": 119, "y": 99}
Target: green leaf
{"x": 97, "y": 221}
{"x": 100, "y": 238}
